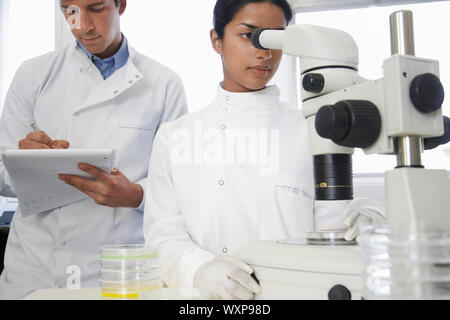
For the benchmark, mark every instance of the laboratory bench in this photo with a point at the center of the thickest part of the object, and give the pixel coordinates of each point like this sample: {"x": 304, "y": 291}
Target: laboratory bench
{"x": 96, "y": 294}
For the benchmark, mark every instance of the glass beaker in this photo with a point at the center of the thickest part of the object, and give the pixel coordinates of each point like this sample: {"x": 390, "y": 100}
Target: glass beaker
{"x": 128, "y": 270}
{"x": 406, "y": 264}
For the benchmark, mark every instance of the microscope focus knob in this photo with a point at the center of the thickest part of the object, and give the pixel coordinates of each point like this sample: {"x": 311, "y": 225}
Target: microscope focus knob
{"x": 339, "y": 292}
{"x": 427, "y": 93}
{"x": 313, "y": 82}
{"x": 349, "y": 123}
{"x": 431, "y": 143}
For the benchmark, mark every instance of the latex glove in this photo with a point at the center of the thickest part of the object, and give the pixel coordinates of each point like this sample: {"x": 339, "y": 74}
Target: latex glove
{"x": 362, "y": 212}
{"x": 226, "y": 278}
{"x": 349, "y": 217}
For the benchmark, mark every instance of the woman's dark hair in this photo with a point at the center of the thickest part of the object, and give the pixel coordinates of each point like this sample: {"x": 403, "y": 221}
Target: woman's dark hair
{"x": 225, "y": 10}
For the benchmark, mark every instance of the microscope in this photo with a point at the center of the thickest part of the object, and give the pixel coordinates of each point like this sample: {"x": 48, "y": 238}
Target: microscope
{"x": 400, "y": 114}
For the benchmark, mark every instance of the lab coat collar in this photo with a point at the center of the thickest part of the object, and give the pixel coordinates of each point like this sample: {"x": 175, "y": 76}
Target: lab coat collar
{"x": 120, "y": 81}
{"x": 262, "y": 101}
{"x": 119, "y": 58}
{"x": 79, "y": 57}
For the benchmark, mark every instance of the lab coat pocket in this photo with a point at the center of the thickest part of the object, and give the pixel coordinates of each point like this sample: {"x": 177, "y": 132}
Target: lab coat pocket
{"x": 137, "y": 124}
{"x": 135, "y": 142}
{"x": 295, "y": 206}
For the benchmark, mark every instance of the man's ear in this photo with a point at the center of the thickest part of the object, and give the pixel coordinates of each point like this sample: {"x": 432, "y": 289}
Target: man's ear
{"x": 216, "y": 41}
{"x": 122, "y": 6}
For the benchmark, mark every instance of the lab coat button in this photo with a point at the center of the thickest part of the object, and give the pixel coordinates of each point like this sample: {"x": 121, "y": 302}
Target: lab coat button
{"x": 221, "y": 182}
{"x": 116, "y": 92}
{"x": 223, "y": 127}
{"x": 76, "y": 114}
{"x": 81, "y": 70}
{"x": 63, "y": 243}
{"x": 130, "y": 82}
{"x": 225, "y": 109}
{"x": 225, "y": 250}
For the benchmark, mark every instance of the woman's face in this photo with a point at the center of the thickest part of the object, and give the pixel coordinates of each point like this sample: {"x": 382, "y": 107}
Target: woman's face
{"x": 245, "y": 67}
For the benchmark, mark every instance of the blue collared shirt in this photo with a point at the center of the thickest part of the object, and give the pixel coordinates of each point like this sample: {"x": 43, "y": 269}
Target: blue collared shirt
{"x": 109, "y": 65}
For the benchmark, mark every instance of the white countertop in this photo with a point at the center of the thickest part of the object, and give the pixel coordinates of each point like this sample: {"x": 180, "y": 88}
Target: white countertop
{"x": 66, "y": 294}
{"x": 95, "y": 294}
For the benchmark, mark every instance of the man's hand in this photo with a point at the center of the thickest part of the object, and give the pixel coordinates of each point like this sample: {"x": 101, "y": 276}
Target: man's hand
{"x": 111, "y": 190}
{"x": 40, "y": 140}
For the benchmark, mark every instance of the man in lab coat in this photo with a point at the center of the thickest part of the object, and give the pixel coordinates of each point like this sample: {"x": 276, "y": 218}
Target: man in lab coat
{"x": 96, "y": 93}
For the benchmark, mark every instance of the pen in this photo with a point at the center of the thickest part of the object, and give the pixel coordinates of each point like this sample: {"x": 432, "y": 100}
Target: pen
{"x": 35, "y": 127}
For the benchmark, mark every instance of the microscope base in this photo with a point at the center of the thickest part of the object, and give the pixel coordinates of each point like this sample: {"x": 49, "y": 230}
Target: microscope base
{"x": 294, "y": 270}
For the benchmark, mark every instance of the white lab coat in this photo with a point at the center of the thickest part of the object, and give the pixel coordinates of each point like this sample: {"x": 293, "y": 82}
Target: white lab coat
{"x": 197, "y": 209}
{"x": 65, "y": 95}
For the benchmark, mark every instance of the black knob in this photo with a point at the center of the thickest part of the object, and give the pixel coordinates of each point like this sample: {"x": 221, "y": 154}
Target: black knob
{"x": 431, "y": 143}
{"x": 427, "y": 93}
{"x": 332, "y": 122}
{"x": 339, "y": 292}
{"x": 313, "y": 82}
{"x": 349, "y": 123}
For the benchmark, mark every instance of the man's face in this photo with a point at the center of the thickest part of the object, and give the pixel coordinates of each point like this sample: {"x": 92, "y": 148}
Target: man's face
{"x": 95, "y": 24}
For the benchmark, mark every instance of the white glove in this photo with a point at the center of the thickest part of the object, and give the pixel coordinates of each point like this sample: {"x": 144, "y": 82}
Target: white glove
{"x": 361, "y": 213}
{"x": 226, "y": 278}
{"x": 350, "y": 217}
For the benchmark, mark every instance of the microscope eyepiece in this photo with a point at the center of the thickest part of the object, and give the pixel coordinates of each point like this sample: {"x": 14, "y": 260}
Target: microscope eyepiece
{"x": 255, "y": 38}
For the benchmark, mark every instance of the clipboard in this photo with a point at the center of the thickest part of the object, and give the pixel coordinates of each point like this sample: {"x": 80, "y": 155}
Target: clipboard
{"x": 35, "y": 174}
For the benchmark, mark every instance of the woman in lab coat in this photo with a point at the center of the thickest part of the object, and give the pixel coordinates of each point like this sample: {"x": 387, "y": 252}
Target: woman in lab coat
{"x": 239, "y": 170}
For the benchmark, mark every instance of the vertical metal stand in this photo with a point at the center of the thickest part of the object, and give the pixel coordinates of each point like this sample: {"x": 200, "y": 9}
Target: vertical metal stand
{"x": 408, "y": 148}
{"x": 402, "y": 33}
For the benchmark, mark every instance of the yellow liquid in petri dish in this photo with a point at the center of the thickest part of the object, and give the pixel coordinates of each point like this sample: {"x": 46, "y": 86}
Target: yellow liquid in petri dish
{"x": 129, "y": 291}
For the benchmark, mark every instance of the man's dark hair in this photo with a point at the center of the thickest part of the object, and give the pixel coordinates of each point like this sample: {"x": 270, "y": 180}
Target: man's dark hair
{"x": 225, "y": 10}
{"x": 116, "y": 2}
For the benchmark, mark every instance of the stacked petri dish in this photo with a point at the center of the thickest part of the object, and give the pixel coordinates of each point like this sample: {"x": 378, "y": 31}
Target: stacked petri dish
{"x": 406, "y": 264}
{"x": 127, "y": 271}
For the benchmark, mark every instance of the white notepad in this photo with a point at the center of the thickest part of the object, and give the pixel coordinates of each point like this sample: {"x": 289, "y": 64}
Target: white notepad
{"x": 34, "y": 175}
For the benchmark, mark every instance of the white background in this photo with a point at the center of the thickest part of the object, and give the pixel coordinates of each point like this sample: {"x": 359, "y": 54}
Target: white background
{"x": 28, "y": 30}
